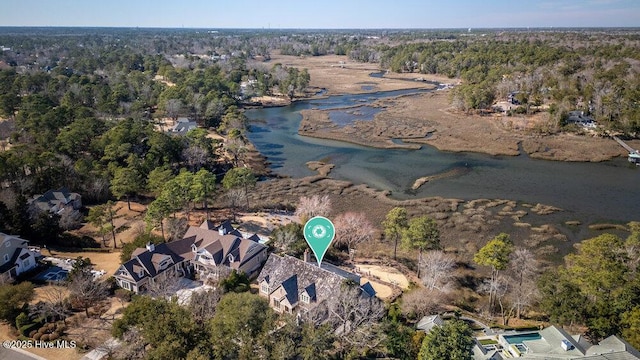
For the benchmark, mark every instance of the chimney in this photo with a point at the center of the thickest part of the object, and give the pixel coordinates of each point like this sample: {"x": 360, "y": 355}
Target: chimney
{"x": 307, "y": 256}
{"x": 150, "y": 246}
{"x": 222, "y": 229}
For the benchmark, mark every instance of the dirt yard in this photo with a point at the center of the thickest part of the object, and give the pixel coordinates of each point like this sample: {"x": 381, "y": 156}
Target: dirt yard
{"x": 384, "y": 273}
{"x": 383, "y": 291}
{"x": 128, "y": 223}
{"x": 109, "y": 262}
{"x": 264, "y": 222}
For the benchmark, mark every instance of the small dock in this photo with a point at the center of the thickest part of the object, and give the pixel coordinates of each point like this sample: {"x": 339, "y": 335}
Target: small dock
{"x": 634, "y": 155}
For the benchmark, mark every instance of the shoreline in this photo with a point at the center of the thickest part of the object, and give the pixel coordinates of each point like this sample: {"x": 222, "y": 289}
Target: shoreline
{"x": 548, "y": 230}
{"x": 427, "y": 119}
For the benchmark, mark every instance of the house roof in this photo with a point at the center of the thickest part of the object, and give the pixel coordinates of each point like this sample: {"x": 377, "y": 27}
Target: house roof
{"x": 221, "y": 246}
{"x": 183, "y": 125}
{"x": 296, "y": 276}
{"x": 290, "y": 287}
{"x": 51, "y": 198}
{"x": 209, "y": 225}
{"x": 549, "y": 346}
{"x": 11, "y": 263}
{"x": 429, "y": 322}
{"x": 550, "y": 343}
{"x": 149, "y": 261}
{"x": 12, "y": 251}
{"x": 182, "y": 247}
{"x": 614, "y": 345}
{"x": 205, "y": 237}
{"x": 311, "y": 291}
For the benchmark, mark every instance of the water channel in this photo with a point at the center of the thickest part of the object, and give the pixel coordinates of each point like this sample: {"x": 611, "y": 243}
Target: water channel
{"x": 607, "y": 191}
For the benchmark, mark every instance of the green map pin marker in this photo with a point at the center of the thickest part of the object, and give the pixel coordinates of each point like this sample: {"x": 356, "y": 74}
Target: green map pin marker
{"x": 319, "y": 233}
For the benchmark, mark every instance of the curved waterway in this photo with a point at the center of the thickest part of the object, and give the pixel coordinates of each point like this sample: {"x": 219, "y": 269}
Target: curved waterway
{"x": 587, "y": 191}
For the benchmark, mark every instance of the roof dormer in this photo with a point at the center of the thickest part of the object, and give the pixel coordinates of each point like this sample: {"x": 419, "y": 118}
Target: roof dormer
{"x": 264, "y": 287}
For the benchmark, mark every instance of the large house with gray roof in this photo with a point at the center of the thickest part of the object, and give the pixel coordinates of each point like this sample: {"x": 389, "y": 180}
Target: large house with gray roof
{"x": 551, "y": 343}
{"x": 210, "y": 251}
{"x": 293, "y": 285}
{"x": 60, "y": 202}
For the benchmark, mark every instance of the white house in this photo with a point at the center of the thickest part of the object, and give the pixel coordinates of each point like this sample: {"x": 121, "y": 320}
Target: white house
{"x": 15, "y": 255}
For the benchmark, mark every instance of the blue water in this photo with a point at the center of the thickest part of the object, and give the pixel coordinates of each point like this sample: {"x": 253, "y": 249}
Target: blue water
{"x": 349, "y": 116}
{"x": 586, "y": 191}
{"x": 518, "y": 339}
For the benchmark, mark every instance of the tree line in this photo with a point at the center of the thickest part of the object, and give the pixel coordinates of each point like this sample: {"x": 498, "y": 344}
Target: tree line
{"x": 564, "y": 70}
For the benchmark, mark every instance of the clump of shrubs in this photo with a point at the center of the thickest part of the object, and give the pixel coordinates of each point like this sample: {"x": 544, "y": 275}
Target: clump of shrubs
{"x": 49, "y": 332}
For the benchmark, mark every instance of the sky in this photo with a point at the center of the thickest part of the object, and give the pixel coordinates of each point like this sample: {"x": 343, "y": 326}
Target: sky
{"x": 324, "y": 14}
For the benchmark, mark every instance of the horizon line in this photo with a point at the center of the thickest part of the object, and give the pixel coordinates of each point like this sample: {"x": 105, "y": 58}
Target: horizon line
{"x": 299, "y": 28}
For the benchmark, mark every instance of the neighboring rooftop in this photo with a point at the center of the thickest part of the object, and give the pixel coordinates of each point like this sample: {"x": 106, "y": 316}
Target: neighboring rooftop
{"x": 57, "y": 200}
{"x": 429, "y": 322}
{"x": 552, "y": 343}
{"x": 183, "y": 125}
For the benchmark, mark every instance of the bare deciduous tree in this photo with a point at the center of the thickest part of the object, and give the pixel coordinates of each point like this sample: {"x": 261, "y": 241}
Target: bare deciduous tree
{"x": 164, "y": 285}
{"x": 437, "y": 271}
{"x": 56, "y": 303}
{"x": 352, "y": 229}
{"x": 97, "y": 190}
{"x": 315, "y": 205}
{"x": 70, "y": 219}
{"x": 203, "y": 304}
{"x": 176, "y": 227}
{"x": 422, "y": 302}
{"x": 499, "y": 286}
{"x": 236, "y": 147}
{"x": 284, "y": 239}
{"x": 195, "y": 157}
{"x": 522, "y": 297}
{"x": 173, "y": 107}
{"x": 235, "y": 197}
{"x": 524, "y": 268}
{"x": 354, "y": 315}
{"x": 5, "y": 279}
{"x": 110, "y": 348}
{"x": 135, "y": 345}
{"x": 316, "y": 316}
{"x": 85, "y": 290}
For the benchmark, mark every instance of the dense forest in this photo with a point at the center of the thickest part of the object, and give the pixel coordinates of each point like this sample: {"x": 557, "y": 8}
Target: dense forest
{"x": 82, "y": 111}
{"x": 595, "y": 73}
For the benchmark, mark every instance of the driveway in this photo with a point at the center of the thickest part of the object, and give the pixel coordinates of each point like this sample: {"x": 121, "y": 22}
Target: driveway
{"x": 18, "y": 354}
